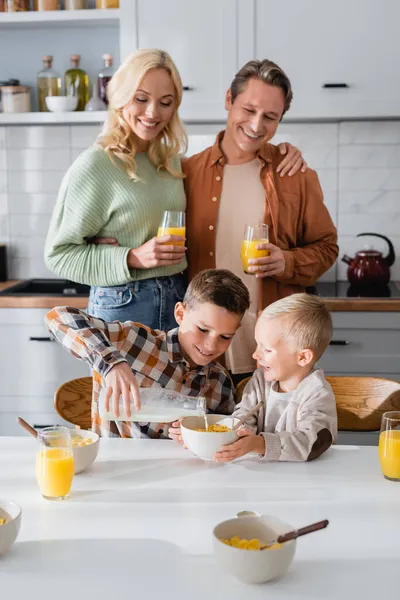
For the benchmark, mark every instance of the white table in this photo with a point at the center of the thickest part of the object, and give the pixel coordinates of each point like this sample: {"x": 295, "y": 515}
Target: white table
{"x": 138, "y": 525}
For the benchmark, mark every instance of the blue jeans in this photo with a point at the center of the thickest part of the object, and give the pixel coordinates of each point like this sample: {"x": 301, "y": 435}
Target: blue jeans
{"x": 150, "y": 301}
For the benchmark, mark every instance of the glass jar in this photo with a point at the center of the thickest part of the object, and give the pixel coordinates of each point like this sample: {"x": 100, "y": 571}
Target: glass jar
{"x": 16, "y": 5}
{"x": 76, "y": 82}
{"x": 47, "y": 5}
{"x": 107, "y": 3}
{"x": 158, "y": 405}
{"x": 104, "y": 77}
{"x": 15, "y": 98}
{"x": 75, "y": 4}
{"x": 48, "y": 83}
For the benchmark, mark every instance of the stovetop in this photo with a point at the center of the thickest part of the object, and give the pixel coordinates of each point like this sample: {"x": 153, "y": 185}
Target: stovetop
{"x": 343, "y": 289}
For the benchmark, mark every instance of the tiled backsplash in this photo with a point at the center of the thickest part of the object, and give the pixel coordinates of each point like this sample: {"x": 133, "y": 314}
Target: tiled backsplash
{"x": 358, "y": 164}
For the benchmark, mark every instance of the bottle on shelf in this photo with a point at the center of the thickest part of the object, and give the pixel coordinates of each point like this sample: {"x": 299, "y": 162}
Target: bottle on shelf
{"x": 75, "y": 4}
{"x": 42, "y": 5}
{"x": 48, "y": 83}
{"x": 76, "y": 82}
{"x": 104, "y": 77}
{"x": 107, "y": 3}
{"x": 15, "y": 5}
{"x": 95, "y": 102}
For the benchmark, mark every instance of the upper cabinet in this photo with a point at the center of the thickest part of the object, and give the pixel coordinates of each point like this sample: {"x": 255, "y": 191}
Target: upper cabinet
{"x": 340, "y": 56}
{"x": 201, "y": 37}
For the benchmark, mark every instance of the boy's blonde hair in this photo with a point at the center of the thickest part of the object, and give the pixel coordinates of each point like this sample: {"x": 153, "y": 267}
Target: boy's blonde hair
{"x": 117, "y": 137}
{"x": 306, "y": 321}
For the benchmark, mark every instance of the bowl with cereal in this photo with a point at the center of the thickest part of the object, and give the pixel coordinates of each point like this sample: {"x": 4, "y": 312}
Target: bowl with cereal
{"x": 10, "y": 523}
{"x": 203, "y": 442}
{"x": 241, "y": 546}
{"x": 85, "y": 446}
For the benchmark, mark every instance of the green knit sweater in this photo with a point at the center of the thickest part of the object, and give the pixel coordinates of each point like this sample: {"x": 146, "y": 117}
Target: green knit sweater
{"x": 97, "y": 198}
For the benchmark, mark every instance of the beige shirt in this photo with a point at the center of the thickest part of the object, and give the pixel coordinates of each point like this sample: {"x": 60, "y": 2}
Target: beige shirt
{"x": 296, "y": 426}
{"x": 242, "y": 203}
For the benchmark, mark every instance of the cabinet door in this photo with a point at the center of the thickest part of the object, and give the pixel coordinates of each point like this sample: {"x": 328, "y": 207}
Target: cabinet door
{"x": 201, "y": 38}
{"x": 351, "y": 42}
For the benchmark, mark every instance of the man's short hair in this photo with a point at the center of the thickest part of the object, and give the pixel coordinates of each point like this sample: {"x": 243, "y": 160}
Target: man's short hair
{"x": 306, "y": 321}
{"x": 220, "y": 287}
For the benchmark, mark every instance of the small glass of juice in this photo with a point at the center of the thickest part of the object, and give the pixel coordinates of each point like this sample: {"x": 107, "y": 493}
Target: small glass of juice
{"x": 389, "y": 445}
{"x": 54, "y": 462}
{"x": 173, "y": 223}
{"x": 252, "y": 237}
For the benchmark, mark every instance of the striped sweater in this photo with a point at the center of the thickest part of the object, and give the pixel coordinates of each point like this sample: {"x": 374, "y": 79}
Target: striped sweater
{"x": 97, "y": 198}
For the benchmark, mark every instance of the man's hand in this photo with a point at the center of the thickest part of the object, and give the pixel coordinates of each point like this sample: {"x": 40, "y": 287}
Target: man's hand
{"x": 120, "y": 381}
{"x": 247, "y": 442}
{"x": 274, "y": 264}
{"x": 292, "y": 162}
{"x": 175, "y": 433}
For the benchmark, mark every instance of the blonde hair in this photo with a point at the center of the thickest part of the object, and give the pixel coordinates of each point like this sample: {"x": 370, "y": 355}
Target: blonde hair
{"x": 117, "y": 138}
{"x": 306, "y": 321}
{"x": 266, "y": 71}
{"x": 220, "y": 287}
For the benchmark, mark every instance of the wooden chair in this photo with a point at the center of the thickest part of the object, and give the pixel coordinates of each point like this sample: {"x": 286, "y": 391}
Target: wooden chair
{"x": 360, "y": 401}
{"x": 73, "y": 402}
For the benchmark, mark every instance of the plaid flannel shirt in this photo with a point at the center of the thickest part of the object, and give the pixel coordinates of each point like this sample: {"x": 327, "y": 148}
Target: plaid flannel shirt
{"x": 154, "y": 356}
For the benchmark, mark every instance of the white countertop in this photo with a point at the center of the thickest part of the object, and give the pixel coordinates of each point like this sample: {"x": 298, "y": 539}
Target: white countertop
{"x": 139, "y": 522}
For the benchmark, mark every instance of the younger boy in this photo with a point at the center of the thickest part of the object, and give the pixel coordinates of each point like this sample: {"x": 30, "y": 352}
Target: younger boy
{"x": 129, "y": 355}
{"x": 298, "y": 420}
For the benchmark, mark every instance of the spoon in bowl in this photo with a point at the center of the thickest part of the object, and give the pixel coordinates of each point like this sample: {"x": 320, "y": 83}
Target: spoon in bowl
{"x": 292, "y": 535}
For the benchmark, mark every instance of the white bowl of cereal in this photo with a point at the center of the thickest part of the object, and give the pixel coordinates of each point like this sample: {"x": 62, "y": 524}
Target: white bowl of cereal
{"x": 85, "y": 446}
{"x": 239, "y": 547}
{"x": 205, "y": 444}
{"x": 10, "y": 523}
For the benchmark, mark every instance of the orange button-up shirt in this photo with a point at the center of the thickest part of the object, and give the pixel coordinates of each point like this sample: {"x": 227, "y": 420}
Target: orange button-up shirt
{"x": 299, "y": 222}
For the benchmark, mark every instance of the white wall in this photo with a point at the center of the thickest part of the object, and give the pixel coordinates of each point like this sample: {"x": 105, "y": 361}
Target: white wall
{"x": 358, "y": 164}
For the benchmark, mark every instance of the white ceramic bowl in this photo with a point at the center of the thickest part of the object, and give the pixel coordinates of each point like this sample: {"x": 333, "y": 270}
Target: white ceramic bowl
{"x": 253, "y": 566}
{"x": 84, "y": 456}
{"x": 61, "y": 103}
{"x": 9, "y": 531}
{"x": 204, "y": 444}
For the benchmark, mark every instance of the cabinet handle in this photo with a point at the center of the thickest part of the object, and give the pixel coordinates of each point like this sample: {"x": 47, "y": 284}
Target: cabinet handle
{"x": 188, "y": 88}
{"x": 339, "y": 343}
{"x": 41, "y": 339}
{"x": 335, "y": 85}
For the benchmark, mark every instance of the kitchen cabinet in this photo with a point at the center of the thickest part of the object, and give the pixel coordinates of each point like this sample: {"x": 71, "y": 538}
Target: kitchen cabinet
{"x": 347, "y": 42}
{"x": 364, "y": 343}
{"x": 202, "y": 39}
{"x": 31, "y": 367}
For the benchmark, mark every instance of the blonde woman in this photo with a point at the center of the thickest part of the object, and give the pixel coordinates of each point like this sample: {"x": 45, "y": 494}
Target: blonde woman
{"x": 119, "y": 189}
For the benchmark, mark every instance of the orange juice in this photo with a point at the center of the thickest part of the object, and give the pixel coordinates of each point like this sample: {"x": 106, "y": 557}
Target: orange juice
{"x": 172, "y": 231}
{"x": 389, "y": 453}
{"x": 249, "y": 250}
{"x": 54, "y": 471}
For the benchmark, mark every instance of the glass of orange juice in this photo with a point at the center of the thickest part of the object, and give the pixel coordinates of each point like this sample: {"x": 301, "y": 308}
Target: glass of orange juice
{"x": 173, "y": 223}
{"x": 252, "y": 237}
{"x": 54, "y": 462}
{"x": 389, "y": 445}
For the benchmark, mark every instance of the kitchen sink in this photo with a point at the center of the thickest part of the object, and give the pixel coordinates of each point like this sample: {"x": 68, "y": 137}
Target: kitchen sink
{"x": 47, "y": 287}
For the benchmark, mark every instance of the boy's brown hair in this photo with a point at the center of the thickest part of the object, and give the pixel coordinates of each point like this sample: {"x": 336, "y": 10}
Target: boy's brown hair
{"x": 220, "y": 287}
{"x": 306, "y": 321}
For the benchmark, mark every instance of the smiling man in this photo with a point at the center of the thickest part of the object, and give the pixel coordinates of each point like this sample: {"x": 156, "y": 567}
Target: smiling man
{"x": 236, "y": 182}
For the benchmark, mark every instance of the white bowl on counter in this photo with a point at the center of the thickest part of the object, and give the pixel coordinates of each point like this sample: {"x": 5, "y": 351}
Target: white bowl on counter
{"x": 61, "y": 103}
{"x": 253, "y": 566}
{"x": 84, "y": 456}
{"x": 205, "y": 444}
{"x": 9, "y": 531}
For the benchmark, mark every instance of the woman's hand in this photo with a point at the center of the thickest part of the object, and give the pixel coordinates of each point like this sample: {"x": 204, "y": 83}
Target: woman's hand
{"x": 274, "y": 264}
{"x": 120, "y": 381}
{"x": 292, "y": 162}
{"x": 157, "y": 252}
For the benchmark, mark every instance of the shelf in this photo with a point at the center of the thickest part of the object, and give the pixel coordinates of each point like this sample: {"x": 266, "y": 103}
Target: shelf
{"x": 66, "y": 118}
{"x": 60, "y": 17}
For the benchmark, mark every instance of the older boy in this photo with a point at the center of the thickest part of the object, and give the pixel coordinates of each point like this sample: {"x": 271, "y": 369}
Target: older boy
{"x": 298, "y": 421}
{"x": 129, "y": 355}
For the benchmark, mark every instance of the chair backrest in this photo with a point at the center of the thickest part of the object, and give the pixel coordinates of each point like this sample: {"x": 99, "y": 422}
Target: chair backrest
{"x": 360, "y": 401}
{"x": 73, "y": 402}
